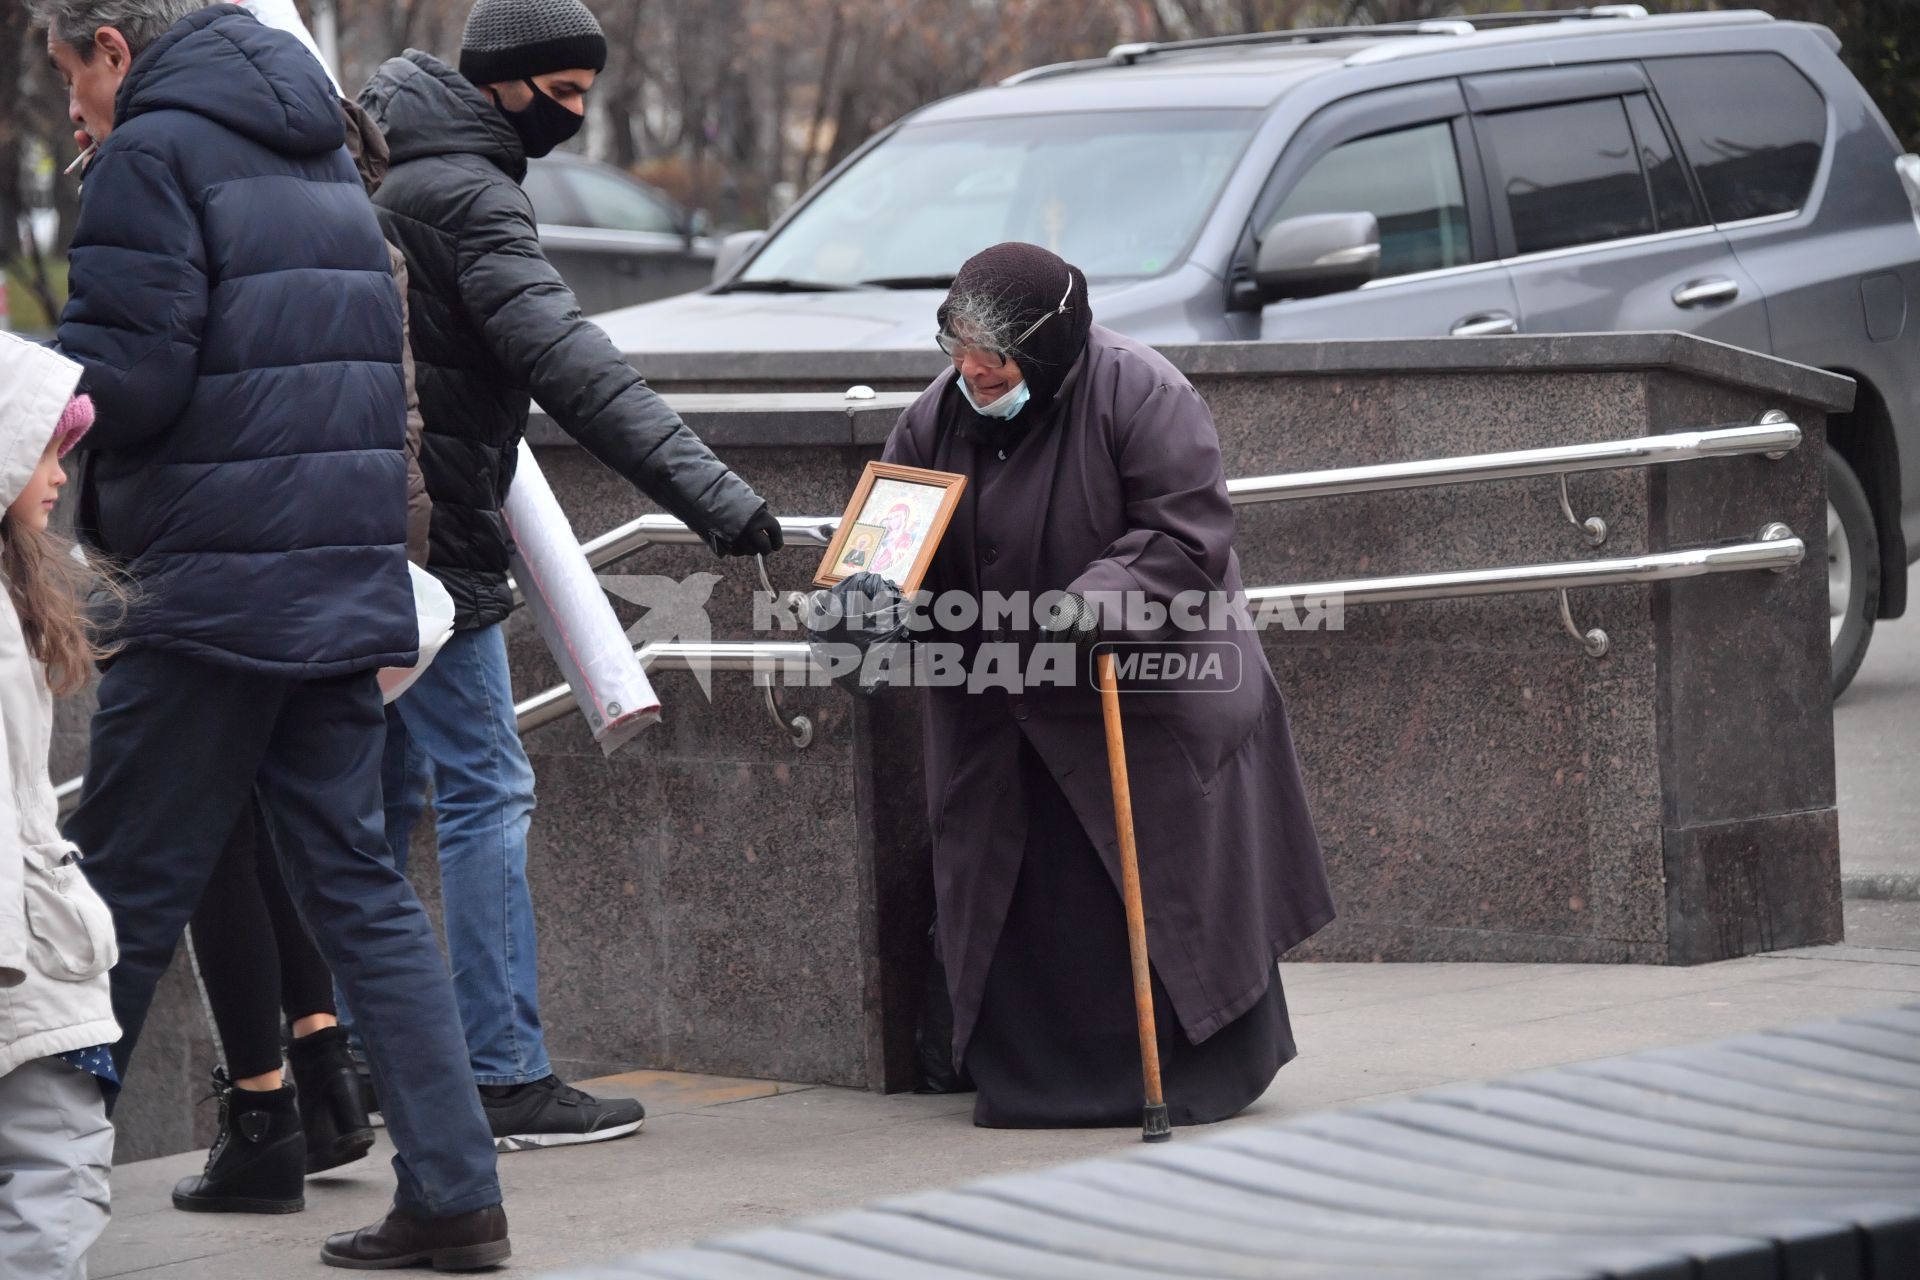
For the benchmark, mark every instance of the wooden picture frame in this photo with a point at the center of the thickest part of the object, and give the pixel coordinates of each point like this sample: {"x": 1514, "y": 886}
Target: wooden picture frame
{"x": 892, "y": 526}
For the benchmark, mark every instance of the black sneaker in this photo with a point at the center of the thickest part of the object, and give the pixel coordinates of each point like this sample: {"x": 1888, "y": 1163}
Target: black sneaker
{"x": 549, "y": 1113}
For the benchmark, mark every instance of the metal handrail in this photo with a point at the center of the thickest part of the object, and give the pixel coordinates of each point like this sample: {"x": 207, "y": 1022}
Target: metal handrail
{"x": 623, "y": 540}
{"x": 1773, "y": 438}
{"x": 1777, "y": 548}
{"x": 558, "y": 703}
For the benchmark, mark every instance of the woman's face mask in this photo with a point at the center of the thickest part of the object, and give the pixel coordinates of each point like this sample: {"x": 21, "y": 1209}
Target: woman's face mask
{"x": 1011, "y": 402}
{"x": 542, "y": 124}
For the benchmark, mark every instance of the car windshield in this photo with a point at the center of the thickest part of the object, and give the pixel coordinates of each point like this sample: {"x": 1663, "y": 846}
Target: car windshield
{"x": 1118, "y": 194}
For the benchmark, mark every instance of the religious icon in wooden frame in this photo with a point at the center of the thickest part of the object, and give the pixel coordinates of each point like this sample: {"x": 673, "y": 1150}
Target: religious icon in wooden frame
{"x": 892, "y": 525}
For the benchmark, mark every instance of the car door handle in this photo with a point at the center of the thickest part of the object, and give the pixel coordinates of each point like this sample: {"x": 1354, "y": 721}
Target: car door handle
{"x": 1484, "y": 325}
{"x": 1703, "y": 293}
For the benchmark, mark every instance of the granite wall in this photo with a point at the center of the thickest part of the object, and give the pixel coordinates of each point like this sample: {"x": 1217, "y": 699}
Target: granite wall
{"x": 713, "y": 899}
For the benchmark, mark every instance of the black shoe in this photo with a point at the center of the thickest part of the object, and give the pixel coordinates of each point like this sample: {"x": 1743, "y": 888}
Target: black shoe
{"x": 258, "y": 1162}
{"x": 548, "y": 1113}
{"x": 465, "y": 1242}
{"x": 331, "y": 1108}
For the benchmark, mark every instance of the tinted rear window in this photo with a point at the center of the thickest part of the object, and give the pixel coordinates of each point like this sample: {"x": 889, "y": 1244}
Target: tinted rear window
{"x": 1571, "y": 174}
{"x": 1751, "y": 125}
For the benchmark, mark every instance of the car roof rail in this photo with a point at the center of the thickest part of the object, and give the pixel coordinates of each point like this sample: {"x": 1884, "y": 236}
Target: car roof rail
{"x": 1126, "y": 55}
{"x": 1466, "y": 25}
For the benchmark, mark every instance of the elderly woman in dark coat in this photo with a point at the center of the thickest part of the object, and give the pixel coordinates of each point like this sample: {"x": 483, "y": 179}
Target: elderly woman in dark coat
{"x": 1094, "y": 469}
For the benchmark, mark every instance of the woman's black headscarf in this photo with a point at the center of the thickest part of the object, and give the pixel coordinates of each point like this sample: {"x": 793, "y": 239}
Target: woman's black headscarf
{"x": 1026, "y": 282}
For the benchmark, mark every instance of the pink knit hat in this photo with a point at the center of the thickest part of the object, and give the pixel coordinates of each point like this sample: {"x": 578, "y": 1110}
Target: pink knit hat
{"x": 75, "y": 422}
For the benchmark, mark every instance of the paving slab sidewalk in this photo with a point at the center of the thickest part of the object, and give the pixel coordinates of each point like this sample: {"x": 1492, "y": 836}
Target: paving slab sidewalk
{"x": 722, "y": 1155}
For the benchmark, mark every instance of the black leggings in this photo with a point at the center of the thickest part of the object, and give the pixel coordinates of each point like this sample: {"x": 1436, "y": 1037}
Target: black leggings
{"x": 256, "y": 956}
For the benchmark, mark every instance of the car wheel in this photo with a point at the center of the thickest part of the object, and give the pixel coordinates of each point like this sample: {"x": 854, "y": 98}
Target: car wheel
{"x": 1853, "y": 571}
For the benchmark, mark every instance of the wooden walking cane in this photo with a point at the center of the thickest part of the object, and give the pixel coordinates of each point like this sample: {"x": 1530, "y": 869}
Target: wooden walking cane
{"x": 1154, "y": 1126}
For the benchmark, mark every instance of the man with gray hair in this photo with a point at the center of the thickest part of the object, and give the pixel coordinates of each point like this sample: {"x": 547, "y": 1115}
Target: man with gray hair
{"x": 235, "y": 314}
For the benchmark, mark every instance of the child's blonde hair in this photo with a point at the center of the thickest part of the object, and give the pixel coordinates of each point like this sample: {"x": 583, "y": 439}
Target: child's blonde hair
{"x": 52, "y": 582}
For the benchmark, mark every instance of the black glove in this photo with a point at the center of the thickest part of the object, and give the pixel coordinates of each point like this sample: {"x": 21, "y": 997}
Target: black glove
{"x": 761, "y": 537}
{"x": 854, "y": 615}
{"x": 1072, "y": 620}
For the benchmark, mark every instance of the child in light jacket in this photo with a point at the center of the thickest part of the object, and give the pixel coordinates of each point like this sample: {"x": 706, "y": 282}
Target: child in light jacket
{"x": 56, "y": 936}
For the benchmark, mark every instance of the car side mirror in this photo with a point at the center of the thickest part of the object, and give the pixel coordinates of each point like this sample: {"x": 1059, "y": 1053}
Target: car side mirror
{"x": 1317, "y": 254}
{"x": 733, "y": 251}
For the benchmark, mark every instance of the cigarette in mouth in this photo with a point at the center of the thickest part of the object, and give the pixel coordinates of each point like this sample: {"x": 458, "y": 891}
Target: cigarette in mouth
{"x": 81, "y": 158}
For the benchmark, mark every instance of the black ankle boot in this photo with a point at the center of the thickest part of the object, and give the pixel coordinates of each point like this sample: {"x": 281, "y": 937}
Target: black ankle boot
{"x": 257, "y": 1164}
{"x": 331, "y": 1106}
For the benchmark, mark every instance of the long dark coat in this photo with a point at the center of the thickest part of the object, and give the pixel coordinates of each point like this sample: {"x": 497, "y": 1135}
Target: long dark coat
{"x": 1121, "y": 490}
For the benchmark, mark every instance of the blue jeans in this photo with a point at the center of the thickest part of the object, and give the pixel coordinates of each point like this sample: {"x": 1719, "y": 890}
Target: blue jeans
{"x": 455, "y": 727}
{"x": 179, "y": 746}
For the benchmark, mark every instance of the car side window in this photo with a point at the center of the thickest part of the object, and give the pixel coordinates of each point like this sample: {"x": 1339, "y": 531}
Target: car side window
{"x": 1409, "y": 179}
{"x": 611, "y": 203}
{"x": 1751, "y": 125}
{"x": 551, "y": 203}
{"x": 1673, "y": 204}
{"x": 1570, "y": 174}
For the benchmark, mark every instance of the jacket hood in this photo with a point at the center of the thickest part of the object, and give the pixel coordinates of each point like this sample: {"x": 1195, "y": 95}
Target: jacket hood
{"x": 221, "y": 63}
{"x": 35, "y": 385}
{"x": 426, "y": 108}
{"x": 366, "y": 145}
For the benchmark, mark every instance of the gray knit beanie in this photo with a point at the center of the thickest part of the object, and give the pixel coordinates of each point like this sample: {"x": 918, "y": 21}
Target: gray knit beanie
{"x": 518, "y": 39}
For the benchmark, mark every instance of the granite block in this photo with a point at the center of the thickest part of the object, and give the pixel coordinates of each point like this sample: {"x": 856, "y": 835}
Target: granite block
{"x": 1348, "y": 941}
{"x": 1749, "y": 648}
{"x": 1757, "y": 884}
{"x": 737, "y": 371}
{"x": 1454, "y": 789}
{"x": 761, "y": 900}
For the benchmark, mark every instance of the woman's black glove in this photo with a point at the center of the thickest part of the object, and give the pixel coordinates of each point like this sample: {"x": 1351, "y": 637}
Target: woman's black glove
{"x": 855, "y": 615}
{"x": 761, "y": 537}
{"x": 1072, "y": 620}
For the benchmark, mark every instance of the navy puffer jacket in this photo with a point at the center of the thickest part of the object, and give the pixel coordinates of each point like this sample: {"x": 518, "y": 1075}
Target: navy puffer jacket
{"x": 234, "y": 309}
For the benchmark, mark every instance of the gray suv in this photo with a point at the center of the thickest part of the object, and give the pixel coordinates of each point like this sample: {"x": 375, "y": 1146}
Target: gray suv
{"x": 1720, "y": 173}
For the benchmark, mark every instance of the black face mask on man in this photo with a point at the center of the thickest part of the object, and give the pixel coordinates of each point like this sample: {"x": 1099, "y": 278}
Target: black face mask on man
{"x": 542, "y": 124}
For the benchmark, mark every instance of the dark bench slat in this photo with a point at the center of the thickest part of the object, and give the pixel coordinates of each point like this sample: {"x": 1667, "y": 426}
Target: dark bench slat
{"x": 1680, "y": 1134}
{"x": 1609, "y": 1157}
{"x": 1720, "y": 1229}
{"x": 1773, "y": 1099}
{"x": 1024, "y": 1225}
{"x": 886, "y": 1226}
{"x": 1165, "y": 1190}
{"x": 1291, "y": 1235}
{"x": 810, "y": 1248}
{"x": 1715, "y": 1115}
{"x": 1879, "y": 1042}
{"x": 697, "y": 1264}
{"x": 1896, "y": 1082}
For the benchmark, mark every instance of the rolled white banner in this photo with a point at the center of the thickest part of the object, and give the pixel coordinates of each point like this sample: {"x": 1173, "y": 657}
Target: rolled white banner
{"x": 572, "y": 613}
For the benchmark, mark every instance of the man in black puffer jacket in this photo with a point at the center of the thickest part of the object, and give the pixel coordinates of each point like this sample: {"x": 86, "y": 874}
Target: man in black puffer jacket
{"x": 235, "y": 312}
{"x": 494, "y": 327}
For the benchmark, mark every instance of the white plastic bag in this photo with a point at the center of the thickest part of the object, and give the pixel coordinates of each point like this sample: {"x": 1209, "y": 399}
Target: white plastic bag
{"x": 434, "y": 609}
